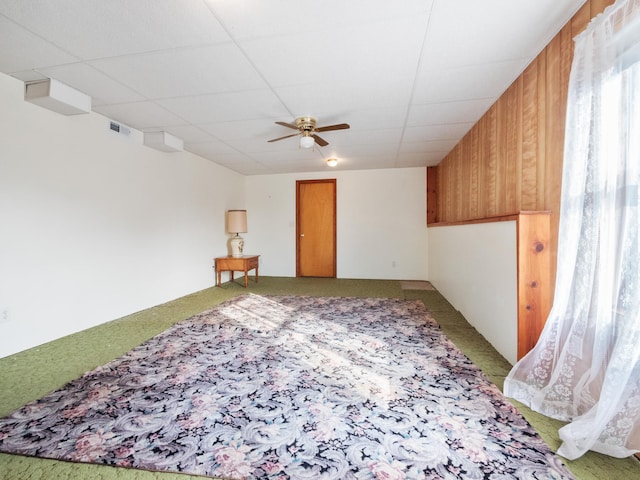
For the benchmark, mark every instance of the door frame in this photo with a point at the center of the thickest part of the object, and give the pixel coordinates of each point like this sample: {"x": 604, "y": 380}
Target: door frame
{"x": 335, "y": 216}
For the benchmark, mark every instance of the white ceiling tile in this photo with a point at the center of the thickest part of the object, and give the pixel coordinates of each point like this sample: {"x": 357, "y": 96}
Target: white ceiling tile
{"x": 188, "y": 133}
{"x": 448, "y": 131}
{"x": 507, "y": 30}
{"x": 387, "y": 149}
{"x": 363, "y": 137}
{"x": 438, "y": 146}
{"x": 448, "y": 112}
{"x": 368, "y": 162}
{"x": 358, "y": 52}
{"x": 412, "y": 159}
{"x": 340, "y": 97}
{"x": 368, "y": 118}
{"x": 261, "y": 129}
{"x": 225, "y": 159}
{"x": 140, "y": 115}
{"x": 213, "y": 147}
{"x": 259, "y": 145}
{"x": 22, "y": 50}
{"x": 410, "y": 77}
{"x": 251, "y": 169}
{"x": 236, "y": 162}
{"x": 226, "y": 107}
{"x": 292, "y": 153}
{"x": 28, "y": 76}
{"x": 298, "y": 168}
{"x": 102, "y": 89}
{"x": 184, "y": 72}
{"x": 464, "y": 83}
{"x": 337, "y": 143}
{"x": 94, "y": 28}
{"x": 315, "y": 20}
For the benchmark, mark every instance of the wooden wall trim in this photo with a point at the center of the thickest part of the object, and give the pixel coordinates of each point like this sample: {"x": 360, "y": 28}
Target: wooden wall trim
{"x": 495, "y": 218}
{"x": 535, "y": 287}
{"x": 432, "y": 195}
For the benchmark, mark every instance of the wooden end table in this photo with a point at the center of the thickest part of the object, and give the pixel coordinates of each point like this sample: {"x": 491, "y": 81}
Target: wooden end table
{"x": 236, "y": 264}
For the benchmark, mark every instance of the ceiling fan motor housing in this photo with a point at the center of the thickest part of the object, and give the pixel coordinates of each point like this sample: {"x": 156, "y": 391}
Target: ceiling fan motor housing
{"x": 306, "y": 124}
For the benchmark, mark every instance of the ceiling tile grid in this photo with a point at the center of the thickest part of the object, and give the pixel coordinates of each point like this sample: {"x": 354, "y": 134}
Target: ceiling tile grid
{"x": 410, "y": 77}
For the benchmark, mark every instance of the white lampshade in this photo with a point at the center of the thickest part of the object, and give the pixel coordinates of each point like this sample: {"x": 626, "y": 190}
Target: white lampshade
{"x": 307, "y": 141}
{"x": 237, "y": 221}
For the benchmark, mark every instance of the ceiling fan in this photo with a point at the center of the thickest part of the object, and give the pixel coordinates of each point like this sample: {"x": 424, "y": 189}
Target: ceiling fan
{"x": 306, "y": 127}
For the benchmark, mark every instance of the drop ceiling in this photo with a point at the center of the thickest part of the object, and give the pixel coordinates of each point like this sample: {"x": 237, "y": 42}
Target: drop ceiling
{"x": 410, "y": 77}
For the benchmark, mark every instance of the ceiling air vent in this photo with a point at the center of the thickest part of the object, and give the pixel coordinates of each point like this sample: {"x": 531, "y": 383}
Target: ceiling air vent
{"x": 54, "y": 95}
{"x": 163, "y": 141}
{"x": 118, "y": 128}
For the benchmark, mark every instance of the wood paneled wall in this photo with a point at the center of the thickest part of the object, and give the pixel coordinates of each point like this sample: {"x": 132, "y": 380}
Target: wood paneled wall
{"x": 511, "y": 160}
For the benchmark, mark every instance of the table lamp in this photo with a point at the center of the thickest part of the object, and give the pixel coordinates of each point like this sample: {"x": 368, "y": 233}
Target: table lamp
{"x": 236, "y": 224}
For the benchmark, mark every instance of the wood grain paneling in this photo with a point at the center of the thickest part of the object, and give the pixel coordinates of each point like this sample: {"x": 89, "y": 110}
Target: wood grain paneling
{"x": 530, "y": 125}
{"x": 474, "y": 175}
{"x": 491, "y": 154}
{"x": 541, "y": 160}
{"x": 598, "y": 6}
{"x": 513, "y": 149}
{"x": 502, "y": 136}
{"x": 511, "y": 160}
{"x": 554, "y": 131}
{"x": 432, "y": 195}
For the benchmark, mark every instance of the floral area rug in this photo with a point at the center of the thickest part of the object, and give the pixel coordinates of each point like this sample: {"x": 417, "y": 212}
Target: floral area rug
{"x": 290, "y": 387}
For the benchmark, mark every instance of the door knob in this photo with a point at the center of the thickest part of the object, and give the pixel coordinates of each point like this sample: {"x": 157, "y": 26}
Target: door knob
{"x": 302, "y": 234}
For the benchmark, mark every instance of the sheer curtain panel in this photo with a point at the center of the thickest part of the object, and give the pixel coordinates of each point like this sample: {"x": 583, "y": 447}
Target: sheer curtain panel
{"x": 585, "y": 369}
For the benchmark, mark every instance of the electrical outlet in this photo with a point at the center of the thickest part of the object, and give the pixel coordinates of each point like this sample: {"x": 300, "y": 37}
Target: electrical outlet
{"x": 5, "y": 317}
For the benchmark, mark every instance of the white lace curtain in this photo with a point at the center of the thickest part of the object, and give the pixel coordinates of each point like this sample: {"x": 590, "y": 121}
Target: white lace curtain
{"x": 585, "y": 369}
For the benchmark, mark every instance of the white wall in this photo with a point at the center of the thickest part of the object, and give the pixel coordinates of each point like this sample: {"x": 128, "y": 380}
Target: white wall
{"x": 475, "y": 268}
{"x": 94, "y": 225}
{"x": 381, "y": 222}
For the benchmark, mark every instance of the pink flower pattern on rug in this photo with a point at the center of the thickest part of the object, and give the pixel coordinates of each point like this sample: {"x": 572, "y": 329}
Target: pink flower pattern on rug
{"x": 290, "y": 387}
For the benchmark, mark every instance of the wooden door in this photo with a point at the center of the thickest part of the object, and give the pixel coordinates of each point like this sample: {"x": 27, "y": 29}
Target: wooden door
{"x": 316, "y": 228}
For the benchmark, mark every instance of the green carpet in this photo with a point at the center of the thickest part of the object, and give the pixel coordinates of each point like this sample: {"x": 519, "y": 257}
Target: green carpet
{"x": 31, "y": 374}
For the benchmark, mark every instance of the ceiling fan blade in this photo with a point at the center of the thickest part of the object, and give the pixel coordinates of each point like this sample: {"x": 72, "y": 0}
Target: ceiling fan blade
{"x": 282, "y": 138}
{"x": 288, "y": 125}
{"x": 320, "y": 141}
{"x": 339, "y": 126}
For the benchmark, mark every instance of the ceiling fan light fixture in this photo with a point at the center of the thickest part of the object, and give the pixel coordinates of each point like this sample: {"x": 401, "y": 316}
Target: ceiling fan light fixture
{"x": 332, "y": 162}
{"x": 306, "y": 141}
{"x": 306, "y": 126}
